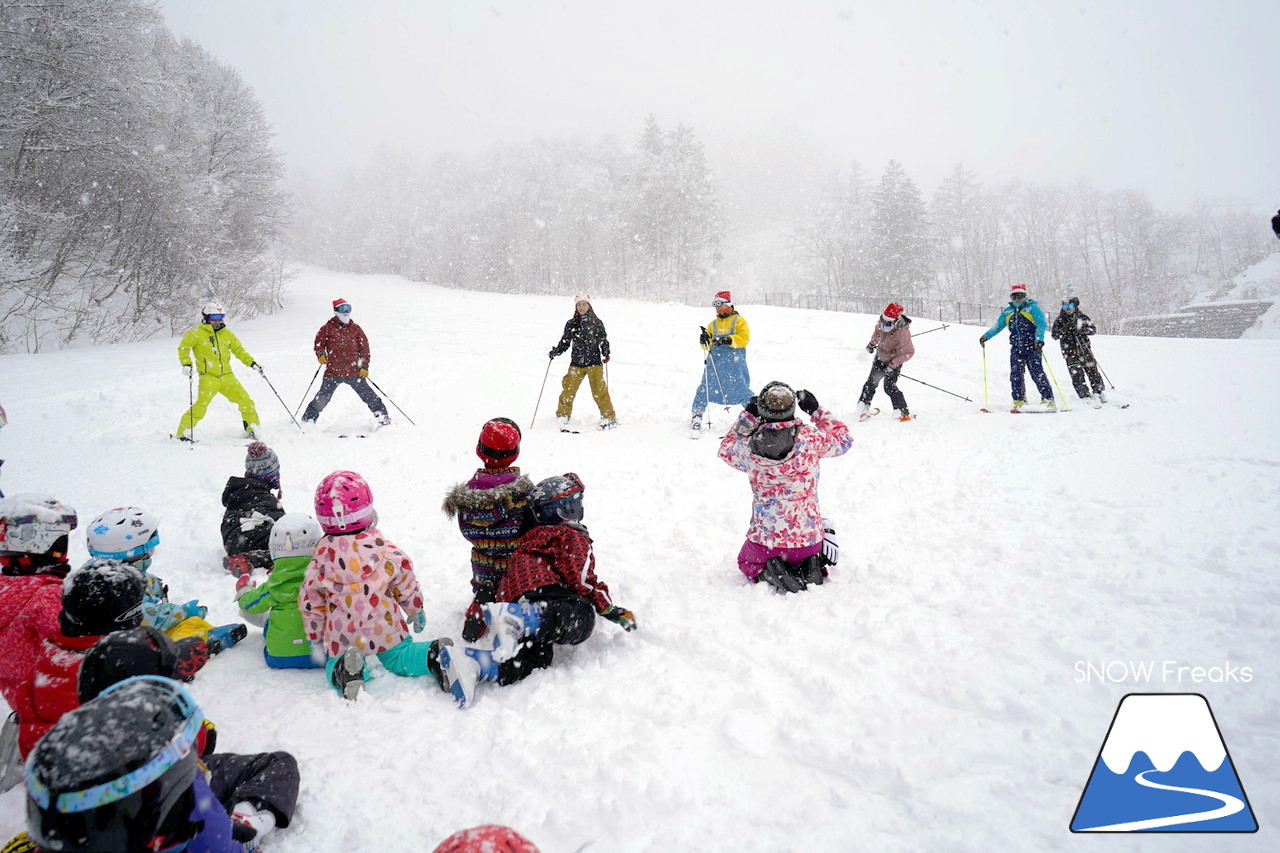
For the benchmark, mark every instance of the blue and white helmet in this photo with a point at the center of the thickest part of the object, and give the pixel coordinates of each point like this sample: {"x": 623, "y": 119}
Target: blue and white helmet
{"x": 125, "y": 533}
{"x": 294, "y": 534}
{"x": 557, "y": 499}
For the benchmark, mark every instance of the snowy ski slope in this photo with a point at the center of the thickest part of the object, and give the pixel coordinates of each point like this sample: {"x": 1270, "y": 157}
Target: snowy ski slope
{"x": 927, "y": 698}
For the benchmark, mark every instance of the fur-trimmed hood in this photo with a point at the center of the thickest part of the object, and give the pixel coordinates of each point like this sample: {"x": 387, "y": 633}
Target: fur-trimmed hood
{"x": 487, "y": 489}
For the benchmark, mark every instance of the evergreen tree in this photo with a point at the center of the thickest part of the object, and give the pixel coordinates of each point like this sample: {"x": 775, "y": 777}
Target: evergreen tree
{"x": 899, "y": 250}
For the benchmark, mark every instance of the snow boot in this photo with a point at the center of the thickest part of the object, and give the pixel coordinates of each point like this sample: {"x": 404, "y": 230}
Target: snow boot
{"x": 225, "y": 636}
{"x": 778, "y": 574}
{"x": 607, "y": 423}
{"x": 863, "y": 411}
{"x": 250, "y": 824}
{"x": 510, "y": 623}
{"x": 696, "y": 423}
{"x": 251, "y": 429}
{"x": 384, "y": 419}
{"x": 237, "y": 565}
{"x": 461, "y": 668}
{"x": 1102, "y": 398}
{"x": 348, "y": 674}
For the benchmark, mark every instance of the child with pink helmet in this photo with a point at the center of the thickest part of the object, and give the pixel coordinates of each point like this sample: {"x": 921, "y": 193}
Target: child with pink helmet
{"x": 360, "y": 594}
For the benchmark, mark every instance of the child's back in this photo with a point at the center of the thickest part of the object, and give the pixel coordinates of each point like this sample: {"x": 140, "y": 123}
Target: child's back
{"x": 293, "y": 543}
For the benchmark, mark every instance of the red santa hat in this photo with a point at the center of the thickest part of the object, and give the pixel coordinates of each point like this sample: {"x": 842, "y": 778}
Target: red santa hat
{"x": 338, "y": 303}
{"x": 1019, "y": 288}
{"x": 722, "y": 296}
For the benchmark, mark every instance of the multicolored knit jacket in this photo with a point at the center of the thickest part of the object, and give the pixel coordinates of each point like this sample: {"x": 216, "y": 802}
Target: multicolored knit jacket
{"x": 358, "y": 589}
{"x": 492, "y": 513}
{"x": 555, "y": 554}
{"x": 784, "y": 492}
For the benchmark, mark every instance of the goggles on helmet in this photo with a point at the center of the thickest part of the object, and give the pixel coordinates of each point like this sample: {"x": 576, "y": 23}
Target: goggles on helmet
{"x": 344, "y": 308}
{"x": 215, "y": 318}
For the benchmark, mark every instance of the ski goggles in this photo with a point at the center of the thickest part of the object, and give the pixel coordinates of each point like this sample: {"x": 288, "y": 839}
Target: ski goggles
{"x": 342, "y": 309}
{"x": 1068, "y": 306}
{"x": 1017, "y": 297}
{"x": 718, "y": 302}
{"x": 215, "y": 318}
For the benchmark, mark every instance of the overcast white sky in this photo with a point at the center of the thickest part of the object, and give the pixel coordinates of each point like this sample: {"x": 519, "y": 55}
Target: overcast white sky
{"x": 1174, "y": 97}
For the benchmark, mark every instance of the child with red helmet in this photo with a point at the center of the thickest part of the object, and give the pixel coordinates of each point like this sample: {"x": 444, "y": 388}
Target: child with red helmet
{"x": 492, "y": 513}
{"x": 360, "y": 595}
{"x": 892, "y": 338}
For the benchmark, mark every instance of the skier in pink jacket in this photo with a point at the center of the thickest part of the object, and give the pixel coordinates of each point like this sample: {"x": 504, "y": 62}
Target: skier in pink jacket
{"x": 789, "y": 544}
{"x": 891, "y": 343}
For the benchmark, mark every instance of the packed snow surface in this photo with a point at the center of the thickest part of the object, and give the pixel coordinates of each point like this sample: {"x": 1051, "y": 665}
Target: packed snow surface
{"x": 933, "y": 695}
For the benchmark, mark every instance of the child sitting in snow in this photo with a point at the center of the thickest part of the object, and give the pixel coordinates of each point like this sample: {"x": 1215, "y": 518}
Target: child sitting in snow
{"x": 158, "y": 786}
{"x": 251, "y": 509}
{"x": 358, "y": 591}
{"x": 785, "y": 543}
{"x": 97, "y": 598}
{"x": 131, "y": 535}
{"x": 293, "y": 543}
{"x": 492, "y": 513}
{"x": 549, "y": 595}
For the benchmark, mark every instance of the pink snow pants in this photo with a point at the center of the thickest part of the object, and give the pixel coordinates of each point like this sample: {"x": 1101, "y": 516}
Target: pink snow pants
{"x": 752, "y": 557}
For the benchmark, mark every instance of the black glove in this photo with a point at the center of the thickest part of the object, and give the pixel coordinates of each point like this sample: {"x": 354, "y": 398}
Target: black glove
{"x": 723, "y": 341}
{"x": 703, "y": 337}
{"x": 257, "y": 367}
{"x": 753, "y": 406}
{"x": 551, "y": 353}
{"x": 806, "y": 401}
{"x": 870, "y": 349}
{"x": 1040, "y": 345}
{"x": 983, "y": 340}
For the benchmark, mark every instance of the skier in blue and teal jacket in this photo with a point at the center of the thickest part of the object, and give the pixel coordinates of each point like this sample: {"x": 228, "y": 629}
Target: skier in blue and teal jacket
{"x": 1027, "y": 324}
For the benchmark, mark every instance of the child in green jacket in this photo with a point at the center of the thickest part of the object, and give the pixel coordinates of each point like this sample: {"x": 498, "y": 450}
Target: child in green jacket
{"x": 293, "y": 541}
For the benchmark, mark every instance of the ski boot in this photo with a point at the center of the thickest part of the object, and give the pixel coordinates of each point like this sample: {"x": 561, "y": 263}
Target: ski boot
{"x": 1102, "y": 398}
{"x": 250, "y": 824}
{"x": 902, "y": 414}
{"x": 1048, "y": 404}
{"x": 225, "y": 636}
{"x": 778, "y": 574}
{"x": 813, "y": 570}
{"x": 250, "y": 430}
{"x": 1018, "y": 404}
{"x": 695, "y": 425}
{"x": 607, "y": 423}
{"x": 510, "y": 623}
{"x": 348, "y": 674}
{"x": 384, "y": 420}
{"x": 863, "y": 411}
{"x": 461, "y": 668}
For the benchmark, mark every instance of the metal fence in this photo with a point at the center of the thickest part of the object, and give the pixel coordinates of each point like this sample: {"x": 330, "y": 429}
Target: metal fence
{"x": 945, "y": 311}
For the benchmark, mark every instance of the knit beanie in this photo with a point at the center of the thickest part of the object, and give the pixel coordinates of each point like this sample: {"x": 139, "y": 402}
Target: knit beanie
{"x": 777, "y": 402}
{"x": 261, "y": 463}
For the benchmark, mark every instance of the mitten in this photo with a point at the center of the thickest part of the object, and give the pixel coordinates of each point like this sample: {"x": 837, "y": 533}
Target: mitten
{"x": 890, "y": 371}
{"x": 551, "y": 353}
{"x": 258, "y": 367}
{"x": 194, "y": 610}
{"x": 323, "y": 359}
{"x": 983, "y": 340}
{"x": 364, "y": 371}
{"x": 830, "y": 550}
{"x": 723, "y": 341}
{"x": 242, "y": 582}
{"x": 418, "y": 622}
{"x": 806, "y": 401}
{"x": 186, "y": 370}
{"x": 870, "y": 348}
{"x": 621, "y": 617}
{"x": 473, "y": 627}
{"x": 318, "y": 657}
{"x": 753, "y": 407}
{"x": 1040, "y": 345}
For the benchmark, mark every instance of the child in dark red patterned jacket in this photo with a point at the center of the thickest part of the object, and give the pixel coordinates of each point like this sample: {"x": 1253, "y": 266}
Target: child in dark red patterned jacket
{"x": 492, "y": 513}
{"x": 549, "y": 595}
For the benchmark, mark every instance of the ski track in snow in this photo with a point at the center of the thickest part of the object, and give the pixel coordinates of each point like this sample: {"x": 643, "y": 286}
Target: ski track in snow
{"x": 923, "y": 699}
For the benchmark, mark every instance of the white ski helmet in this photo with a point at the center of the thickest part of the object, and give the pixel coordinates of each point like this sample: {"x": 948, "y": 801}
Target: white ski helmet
{"x": 125, "y": 533}
{"x": 213, "y": 308}
{"x": 294, "y": 534}
{"x": 33, "y": 524}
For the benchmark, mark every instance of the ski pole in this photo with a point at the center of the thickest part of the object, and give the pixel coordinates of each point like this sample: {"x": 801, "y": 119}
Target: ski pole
{"x": 1063, "y": 397}
{"x": 935, "y": 387}
{"x": 540, "y": 390}
{"x": 719, "y": 384}
{"x": 282, "y": 403}
{"x": 308, "y": 391}
{"x": 939, "y": 329}
{"x": 191, "y": 399}
{"x": 389, "y": 400}
{"x": 1104, "y": 375}
{"x": 986, "y": 393}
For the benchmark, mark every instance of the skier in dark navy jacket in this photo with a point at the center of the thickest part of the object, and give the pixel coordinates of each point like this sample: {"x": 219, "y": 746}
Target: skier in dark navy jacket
{"x": 1026, "y": 324}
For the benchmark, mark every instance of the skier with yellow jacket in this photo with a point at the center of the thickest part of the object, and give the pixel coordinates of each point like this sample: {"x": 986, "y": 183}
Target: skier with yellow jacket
{"x": 725, "y": 378}
{"x": 208, "y": 349}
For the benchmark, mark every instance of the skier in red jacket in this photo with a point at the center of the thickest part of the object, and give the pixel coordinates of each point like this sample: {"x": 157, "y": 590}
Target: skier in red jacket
{"x": 343, "y": 349}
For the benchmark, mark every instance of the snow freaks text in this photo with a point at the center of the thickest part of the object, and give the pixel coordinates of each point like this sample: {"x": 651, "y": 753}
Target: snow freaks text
{"x": 1166, "y": 671}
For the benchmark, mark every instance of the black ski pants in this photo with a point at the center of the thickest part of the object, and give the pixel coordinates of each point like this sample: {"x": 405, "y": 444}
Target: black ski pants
{"x": 567, "y": 619}
{"x": 880, "y": 370}
{"x": 1082, "y": 365}
{"x": 267, "y": 779}
{"x": 329, "y": 384}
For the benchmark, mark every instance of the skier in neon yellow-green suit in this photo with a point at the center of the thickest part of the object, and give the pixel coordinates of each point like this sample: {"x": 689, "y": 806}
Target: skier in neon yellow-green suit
{"x": 208, "y": 348}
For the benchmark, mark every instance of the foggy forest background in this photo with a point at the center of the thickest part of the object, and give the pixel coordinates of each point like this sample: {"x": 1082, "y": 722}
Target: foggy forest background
{"x": 137, "y": 176}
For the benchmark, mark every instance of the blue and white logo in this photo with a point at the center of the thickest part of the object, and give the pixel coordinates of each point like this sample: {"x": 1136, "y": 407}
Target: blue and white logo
{"x": 1164, "y": 767}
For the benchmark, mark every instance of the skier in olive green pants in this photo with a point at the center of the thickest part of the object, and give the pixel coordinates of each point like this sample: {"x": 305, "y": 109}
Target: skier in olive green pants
{"x": 209, "y": 346}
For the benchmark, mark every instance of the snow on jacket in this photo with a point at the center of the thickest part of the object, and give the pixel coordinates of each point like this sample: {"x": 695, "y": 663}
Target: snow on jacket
{"x": 345, "y": 347}
{"x": 29, "y": 608}
{"x": 210, "y": 351}
{"x": 732, "y": 325}
{"x": 252, "y": 510}
{"x": 278, "y": 595}
{"x": 354, "y": 591}
{"x": 1026, "y": 324}
{"x": 1072, "y": 331}
{"x": 52, "y": 691}
{"x": 492, "y": 513}
{"x": 893, "y": 348}
{"x": 555, "y": 554}
{"x": 589, "y": 339}
{"x": 784, "y": 492}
